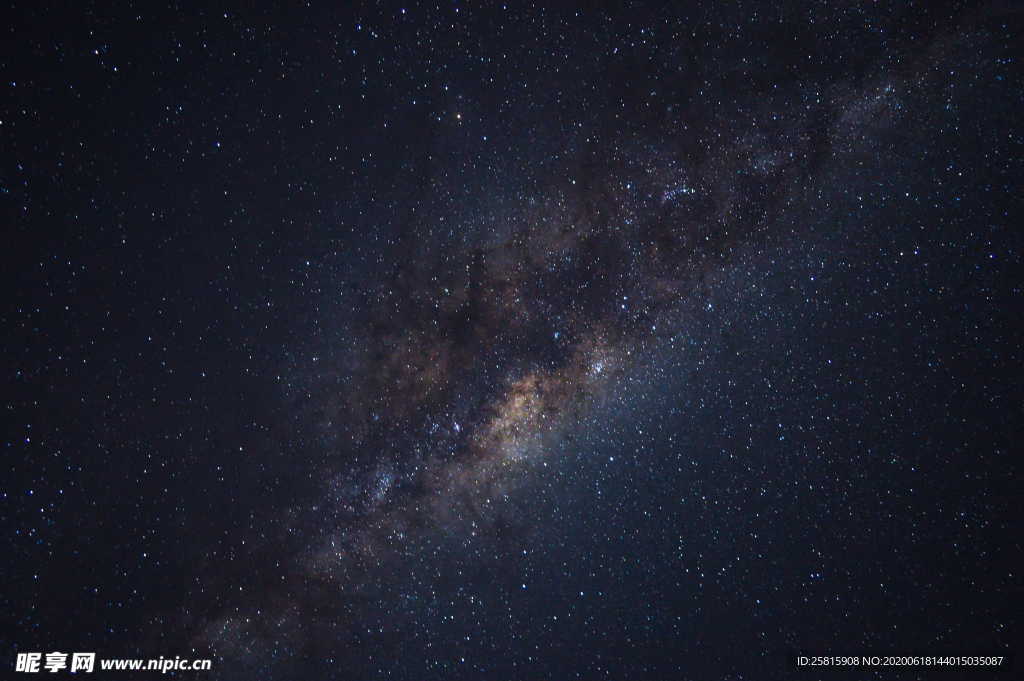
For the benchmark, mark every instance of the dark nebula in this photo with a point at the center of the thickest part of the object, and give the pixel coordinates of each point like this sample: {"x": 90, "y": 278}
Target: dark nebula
{"x": 484, "y": 341}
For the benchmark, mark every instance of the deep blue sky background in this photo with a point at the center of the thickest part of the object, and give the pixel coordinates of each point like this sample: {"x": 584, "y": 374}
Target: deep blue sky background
{"x": 259, "y": 263}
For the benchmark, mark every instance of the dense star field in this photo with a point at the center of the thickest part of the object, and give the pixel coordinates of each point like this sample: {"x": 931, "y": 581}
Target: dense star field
{"x": 479, "y": 341}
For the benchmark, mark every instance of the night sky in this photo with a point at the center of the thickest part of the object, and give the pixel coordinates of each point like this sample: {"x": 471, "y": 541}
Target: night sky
{"x": 479, "y": 341}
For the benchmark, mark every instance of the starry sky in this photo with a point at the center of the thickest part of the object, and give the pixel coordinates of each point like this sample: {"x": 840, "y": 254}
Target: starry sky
{"x": 508, "y": 341}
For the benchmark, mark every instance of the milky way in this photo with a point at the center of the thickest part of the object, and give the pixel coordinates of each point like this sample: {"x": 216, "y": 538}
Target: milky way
{"x": 504, "y": 341}
{"x": 470, "y": 366}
